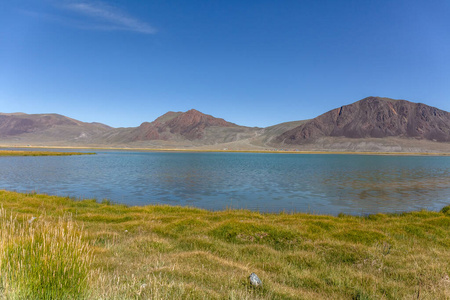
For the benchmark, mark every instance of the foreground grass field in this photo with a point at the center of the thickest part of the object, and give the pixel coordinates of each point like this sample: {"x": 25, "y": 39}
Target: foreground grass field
{"x": 165, "y": 252}
{"x": 39, "y": 153}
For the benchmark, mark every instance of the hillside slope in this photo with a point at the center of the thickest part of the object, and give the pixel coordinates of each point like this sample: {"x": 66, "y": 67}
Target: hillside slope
{"x": 40, "y": 128}
{"x": 371, "y": 124}
{"x": 374, "y": 117}
{"x": 180, "y": 128}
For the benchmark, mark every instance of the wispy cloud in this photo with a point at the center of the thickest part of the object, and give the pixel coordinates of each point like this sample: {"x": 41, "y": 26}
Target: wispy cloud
{"x": 106, "y": 17}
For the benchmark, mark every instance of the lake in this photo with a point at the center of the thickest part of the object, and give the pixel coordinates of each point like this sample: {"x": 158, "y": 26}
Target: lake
{"x": 313, "y": 183}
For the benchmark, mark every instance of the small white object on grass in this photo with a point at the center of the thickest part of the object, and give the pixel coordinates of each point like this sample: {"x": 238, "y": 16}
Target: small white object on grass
{"x": 31, "y": 220}
{"x": 254, "y": 280}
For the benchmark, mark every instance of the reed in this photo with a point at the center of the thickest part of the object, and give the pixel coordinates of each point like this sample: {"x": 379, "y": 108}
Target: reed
{"x": 42, "y": 259}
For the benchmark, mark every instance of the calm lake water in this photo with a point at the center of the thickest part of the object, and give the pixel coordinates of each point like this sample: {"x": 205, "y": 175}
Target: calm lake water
{"x": 322, "y": 184}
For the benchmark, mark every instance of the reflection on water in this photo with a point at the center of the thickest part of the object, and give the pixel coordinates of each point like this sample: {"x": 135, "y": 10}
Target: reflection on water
{"x": 267, "y": 182}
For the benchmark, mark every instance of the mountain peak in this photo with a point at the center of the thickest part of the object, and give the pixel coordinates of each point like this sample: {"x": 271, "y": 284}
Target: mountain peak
{"x": 193, "y": 123}
{"x": 375, "y": 117}
{"x": 193, "y": 111}
{"x": 190, "y": 125}
{"x": 166, "y": 117}
{"x": 46, "y": 126}
{"x": 371, "y": 117}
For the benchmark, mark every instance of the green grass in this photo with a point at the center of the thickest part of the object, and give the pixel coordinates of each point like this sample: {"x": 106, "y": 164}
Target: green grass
{"x": 170, "y": 252}
{"x": 39, "y": 153}
{"x": 42, "y": 259}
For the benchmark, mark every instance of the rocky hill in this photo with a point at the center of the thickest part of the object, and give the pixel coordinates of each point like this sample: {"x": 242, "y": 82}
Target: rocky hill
{"x": 374, "y": 117}
{"x": 371, "y": 124}
{"x": 191, "y": 125}
{"x": 32, "y": 128}
{"x": 185, "y": 128}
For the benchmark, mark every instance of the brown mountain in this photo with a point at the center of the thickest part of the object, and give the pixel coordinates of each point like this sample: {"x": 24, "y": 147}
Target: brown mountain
{"x": 190, "y": 125}
{"x": 190, "y": 128}
{"x": 46, "y": 127}
{"x": 19, "y": 123}
{"x": 374, "y": 117}
{"x": 371, "y": 124}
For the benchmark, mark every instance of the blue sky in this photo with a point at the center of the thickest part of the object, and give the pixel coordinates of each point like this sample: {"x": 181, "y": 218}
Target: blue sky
{"x": 254, "y": 63}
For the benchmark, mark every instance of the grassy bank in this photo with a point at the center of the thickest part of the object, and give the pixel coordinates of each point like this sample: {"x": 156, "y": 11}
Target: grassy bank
{"x": 190, "y": 150}
{"x": 166, "y": 252}
{"x": 297, "y": 152}
{"x": 39, "y": 153}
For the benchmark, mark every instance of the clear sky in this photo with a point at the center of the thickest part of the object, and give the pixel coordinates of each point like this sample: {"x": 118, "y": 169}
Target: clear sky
{"x": 254, "y": 63}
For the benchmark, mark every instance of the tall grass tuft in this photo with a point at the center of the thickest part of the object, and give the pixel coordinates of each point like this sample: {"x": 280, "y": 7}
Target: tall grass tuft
{"x": 42, "y": 260}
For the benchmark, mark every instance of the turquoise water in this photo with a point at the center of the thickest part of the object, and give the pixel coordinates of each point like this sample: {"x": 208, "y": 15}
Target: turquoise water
{"x": 322, "y": 184}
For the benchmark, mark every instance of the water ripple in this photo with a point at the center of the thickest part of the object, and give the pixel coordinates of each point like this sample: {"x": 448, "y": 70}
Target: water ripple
{"x": 304, "y": 183}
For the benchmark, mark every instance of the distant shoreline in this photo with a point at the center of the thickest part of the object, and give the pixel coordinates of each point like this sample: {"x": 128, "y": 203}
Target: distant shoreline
{"x": 39, "y": 153}
{"x": 235, "y": 151}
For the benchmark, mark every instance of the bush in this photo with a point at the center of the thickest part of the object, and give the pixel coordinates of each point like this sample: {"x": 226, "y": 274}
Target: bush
{"x": 446, "y": 210}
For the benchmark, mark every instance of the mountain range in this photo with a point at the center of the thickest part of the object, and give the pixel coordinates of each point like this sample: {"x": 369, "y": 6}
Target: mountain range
{"x": 370, "y": 124}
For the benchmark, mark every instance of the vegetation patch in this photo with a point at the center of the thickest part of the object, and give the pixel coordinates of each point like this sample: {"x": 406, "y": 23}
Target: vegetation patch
{"x": 108, "y": 251}
{"x": 180, "y": 227}
{"x": 338, "y": 253}
{"x": 245, "y": 232}
{"x": 303, "y": 260}
{"x": 43, "y": 260}
{"x": 41, "y": 153}
{"x": 366, "y": 237}
{"x": 325, "y": 225}
{"x": 440, "y": 222}
{"x": 104, "y": 218}
{"x": 446, "y": 210}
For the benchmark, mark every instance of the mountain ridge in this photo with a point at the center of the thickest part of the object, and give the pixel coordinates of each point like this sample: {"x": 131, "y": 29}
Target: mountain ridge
{"x": 374, "y": 117}
{"x": 21, "y": 123}
{"x": 189, "y": 125}
{"x": 369, "y": 121}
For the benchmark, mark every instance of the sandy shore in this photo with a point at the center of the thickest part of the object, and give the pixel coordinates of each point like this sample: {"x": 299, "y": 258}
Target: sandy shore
{"x": 233, "y": 151}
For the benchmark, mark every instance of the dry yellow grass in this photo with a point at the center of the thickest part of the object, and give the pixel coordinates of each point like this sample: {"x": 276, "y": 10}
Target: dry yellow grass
{"x": 230, "y": 151}
{"x": 42, "y": 259}
{"x": 167, "y": 252}
{"x": 39, "y": 153}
